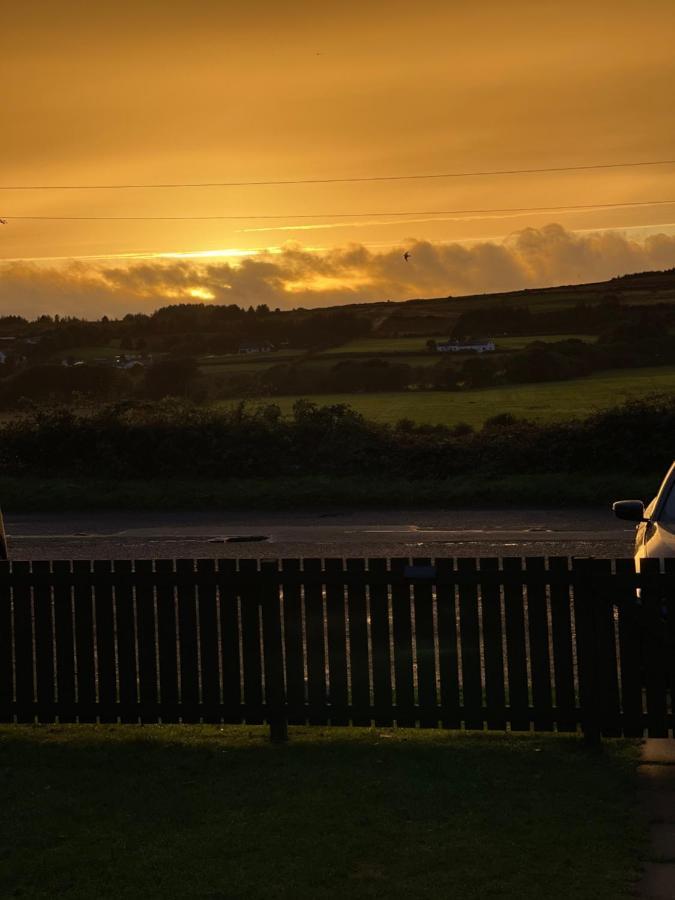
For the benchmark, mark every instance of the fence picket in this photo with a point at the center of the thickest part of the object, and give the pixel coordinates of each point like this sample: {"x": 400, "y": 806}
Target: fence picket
{"x": 186, "y": 595}
{"x": 6, "y": 663}
{"x": 125, "y": 633}
{"x": 492, "y": 649}
{"x": 63, "y": 641}
{"x": 655, "y": 664}
{"x": 514, "y": 617}
{"x": 316, "y": 651}
{"x": 147, "y": 656}
{"x": 358, "y": 643}
{"x": 608, "y": 673}
{"x": 630, "y": 611}
{"x": 167, "y": 645}
{"x": 44, "y": 646}
{"x": 106, "y": 665}
{"x": 337, "y": 641}
{"x": 425, "y": 656}
{"x": 250, "y": 639}
{"x": 537, "y": 616}
{"x": 403, "y": 655}
{"x": 293, "y": 644}
{"x": 208, "y": 642}
{"x": 447, "y": 647}
{"x": 23, "y": 643}
{"x": 470, "y": 642}
{"x": 563, "y": 658}
{"x": 379, "y": 632}
{"x": 275, "y": 697}
{"x": 229, "y": 642}
{"x": 85, "y": 654}
{"x": 669, "y": 610}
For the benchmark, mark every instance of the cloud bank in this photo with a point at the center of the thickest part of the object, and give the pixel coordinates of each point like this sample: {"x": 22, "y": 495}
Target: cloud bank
{"x": 533, "y": 257}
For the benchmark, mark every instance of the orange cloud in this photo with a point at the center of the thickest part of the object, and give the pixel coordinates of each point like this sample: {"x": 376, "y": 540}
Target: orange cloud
{"x": 533, "y": 257}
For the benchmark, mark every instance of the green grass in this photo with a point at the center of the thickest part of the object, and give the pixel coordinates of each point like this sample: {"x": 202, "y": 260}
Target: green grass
{"x": 314, "y": 362}
{"x": 88, "y": 354}
{"x": 545, "y": 402}
{"x": 413, "y": 344}
{"x": 202, "y": 812}
{"x": 246, "y": 359}
{"x": 328, "y": 361}
{"x": 26, "y": 494}
{"x": 382, "y": 345}
{"x": 235, "y": 367}
{"x": 518, "y": 343}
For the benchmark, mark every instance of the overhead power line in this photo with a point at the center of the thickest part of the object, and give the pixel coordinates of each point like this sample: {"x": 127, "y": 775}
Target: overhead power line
{"x": 365, "y": 178}
{"x": 342, "y": 215}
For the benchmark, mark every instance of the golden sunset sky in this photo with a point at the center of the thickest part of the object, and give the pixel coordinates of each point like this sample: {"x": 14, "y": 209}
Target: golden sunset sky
{"x": 148, "y": 93}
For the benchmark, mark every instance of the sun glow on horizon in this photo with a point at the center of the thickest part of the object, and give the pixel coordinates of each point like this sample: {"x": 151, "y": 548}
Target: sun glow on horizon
{"x": 201, "y": 293}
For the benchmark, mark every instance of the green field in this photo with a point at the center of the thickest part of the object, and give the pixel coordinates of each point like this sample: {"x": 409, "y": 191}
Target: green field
{"x": 326, "y": 361}
{"x": 235, "y": 368}
{"x": 382, "y": 345}
{"x": 88, "y": 354}
{"x": 243, "y": 359}
{"x": 392, "y": 350}
{"x": 206, "y": 812}
{"x": 546, "y": 402}
{"x": 413, "y": 344}
{"x": 518, "y": 343}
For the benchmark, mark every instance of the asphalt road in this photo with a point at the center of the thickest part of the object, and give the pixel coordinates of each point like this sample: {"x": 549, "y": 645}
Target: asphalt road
{"x": 133, "y": 535}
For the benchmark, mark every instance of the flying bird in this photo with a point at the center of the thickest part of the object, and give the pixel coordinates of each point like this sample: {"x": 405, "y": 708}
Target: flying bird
{"x": 3, "y": 221}
{"x": 406, "y": 256}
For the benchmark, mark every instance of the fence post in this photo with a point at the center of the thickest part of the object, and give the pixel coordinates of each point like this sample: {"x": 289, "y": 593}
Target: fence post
{"x": 585, "y": 616}
{"x": 4, "y": 553}
{"x": 275, "y": 694}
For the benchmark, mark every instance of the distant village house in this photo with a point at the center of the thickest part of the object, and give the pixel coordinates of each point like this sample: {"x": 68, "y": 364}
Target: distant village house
{"x": 256, "y": 348}
{"x": 480, "y": 345}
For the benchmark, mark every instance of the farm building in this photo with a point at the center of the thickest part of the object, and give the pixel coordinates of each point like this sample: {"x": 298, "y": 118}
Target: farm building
{"x": 256, "y": 348}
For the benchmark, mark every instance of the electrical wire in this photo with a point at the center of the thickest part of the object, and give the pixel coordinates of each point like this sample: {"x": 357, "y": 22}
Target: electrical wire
{"x": 355, "y": 180}
{"x": 341, "y": 215}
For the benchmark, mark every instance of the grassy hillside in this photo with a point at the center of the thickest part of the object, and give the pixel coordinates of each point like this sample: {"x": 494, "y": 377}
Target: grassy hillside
{"x": 547, "y": 402}
{"x": 644, "y": 288}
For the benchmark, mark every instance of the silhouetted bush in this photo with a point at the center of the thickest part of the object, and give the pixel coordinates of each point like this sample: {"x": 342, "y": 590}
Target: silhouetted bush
{"x": 177, "y": 439}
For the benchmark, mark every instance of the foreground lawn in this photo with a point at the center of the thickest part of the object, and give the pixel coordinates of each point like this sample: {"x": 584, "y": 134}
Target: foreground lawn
{"x": 545, "y": 402}
{"x": 123, "y": 811}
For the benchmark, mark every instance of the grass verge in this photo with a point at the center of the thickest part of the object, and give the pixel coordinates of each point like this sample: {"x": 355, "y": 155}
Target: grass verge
{"x": 60, "y": 494}
{"x": 203, "y": 812}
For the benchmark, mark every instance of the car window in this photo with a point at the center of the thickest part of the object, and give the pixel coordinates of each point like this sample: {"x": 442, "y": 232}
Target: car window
{"x": 667, "y": 516}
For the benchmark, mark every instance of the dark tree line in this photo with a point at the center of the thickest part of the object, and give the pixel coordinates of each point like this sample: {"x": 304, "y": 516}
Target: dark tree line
{"x": 189, "y": 328}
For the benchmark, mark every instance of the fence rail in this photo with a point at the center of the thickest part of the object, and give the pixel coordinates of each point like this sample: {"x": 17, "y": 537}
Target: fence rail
{"x": 543, "y": 644}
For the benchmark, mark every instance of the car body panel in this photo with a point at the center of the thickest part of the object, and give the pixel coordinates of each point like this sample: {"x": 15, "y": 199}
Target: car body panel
{"x": 655, "y": 538}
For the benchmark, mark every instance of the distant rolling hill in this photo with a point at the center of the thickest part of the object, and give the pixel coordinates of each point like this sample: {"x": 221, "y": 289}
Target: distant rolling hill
{"x": 437, "y": 315}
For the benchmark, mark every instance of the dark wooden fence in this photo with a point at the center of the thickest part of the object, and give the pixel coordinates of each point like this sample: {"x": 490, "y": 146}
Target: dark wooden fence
{"x": 520, "y": 644}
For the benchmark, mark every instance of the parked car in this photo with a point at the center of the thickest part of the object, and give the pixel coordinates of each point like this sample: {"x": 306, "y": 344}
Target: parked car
{"x": 655, "y": 536}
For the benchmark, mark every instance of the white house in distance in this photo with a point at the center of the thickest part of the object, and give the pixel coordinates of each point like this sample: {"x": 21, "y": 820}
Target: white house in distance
{"x": 479, "y": 345}
{"x": 264, "y": 347}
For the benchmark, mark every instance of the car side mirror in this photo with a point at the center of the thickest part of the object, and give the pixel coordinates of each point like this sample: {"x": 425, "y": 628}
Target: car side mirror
{"x": 631, "y": 510}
